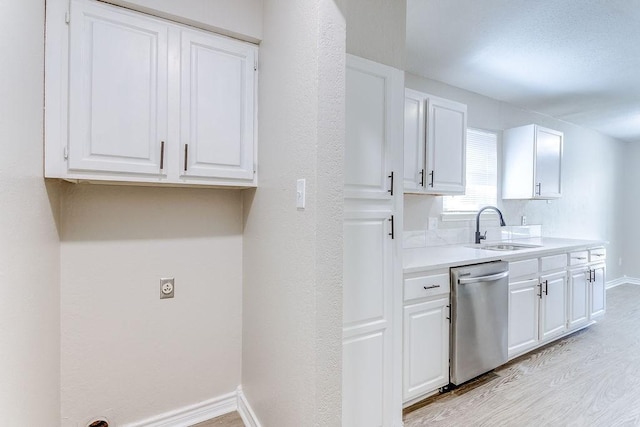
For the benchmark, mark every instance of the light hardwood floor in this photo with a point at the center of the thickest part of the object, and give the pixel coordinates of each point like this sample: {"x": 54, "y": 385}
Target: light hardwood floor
{"x": 590, "y": 378}
{"x": 228, "y": 420}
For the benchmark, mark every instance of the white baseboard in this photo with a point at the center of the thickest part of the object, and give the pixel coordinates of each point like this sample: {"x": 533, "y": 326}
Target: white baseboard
{"x": 621, "y": 281}
{"x": 246, "y": 413}
{"x": 192, "y": 414}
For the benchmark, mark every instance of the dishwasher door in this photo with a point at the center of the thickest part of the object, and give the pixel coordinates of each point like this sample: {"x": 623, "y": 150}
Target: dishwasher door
{"x": 479, "y": 322}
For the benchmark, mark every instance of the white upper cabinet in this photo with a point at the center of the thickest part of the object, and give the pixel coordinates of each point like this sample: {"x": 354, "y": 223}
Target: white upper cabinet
{"x": 532, "y": 163}
{"x": 117, "y": 91}
{"x": 216, "y": 122}
{"x": 137, "y": 99}
{"x": 434, "y": 144}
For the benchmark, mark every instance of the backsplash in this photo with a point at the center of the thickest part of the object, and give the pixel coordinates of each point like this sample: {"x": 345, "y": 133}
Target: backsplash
{"x": 466, "y": 235}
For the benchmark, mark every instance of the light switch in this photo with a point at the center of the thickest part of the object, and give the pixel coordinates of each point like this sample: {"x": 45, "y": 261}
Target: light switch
{"x": 433, "y": 223}
{"x": 300, "y": 193}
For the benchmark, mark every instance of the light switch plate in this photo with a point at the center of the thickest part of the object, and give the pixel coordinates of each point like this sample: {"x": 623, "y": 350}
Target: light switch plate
{"x": 300, "y": 193}
{"x": 433, "y": 223}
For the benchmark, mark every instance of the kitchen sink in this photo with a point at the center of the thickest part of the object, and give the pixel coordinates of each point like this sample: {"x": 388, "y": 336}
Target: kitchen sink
{"x": 504, "y": 246}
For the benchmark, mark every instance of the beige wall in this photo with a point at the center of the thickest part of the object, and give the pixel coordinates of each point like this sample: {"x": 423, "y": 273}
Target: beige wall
{"x": 126, "y": 354}
{"x": 292, "y": 298}
{"x": 29, "y": 249}
{"x": 376, "y": 30}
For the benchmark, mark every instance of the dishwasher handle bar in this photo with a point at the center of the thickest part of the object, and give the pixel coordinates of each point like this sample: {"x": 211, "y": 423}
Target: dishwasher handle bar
{"x": 490, "y": 278}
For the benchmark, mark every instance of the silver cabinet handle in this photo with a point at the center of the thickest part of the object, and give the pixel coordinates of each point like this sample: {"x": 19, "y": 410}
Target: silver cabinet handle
{"x": 579, "y": 257}
{"x": 490, "y": 278}
{"x": 431, "y": 287}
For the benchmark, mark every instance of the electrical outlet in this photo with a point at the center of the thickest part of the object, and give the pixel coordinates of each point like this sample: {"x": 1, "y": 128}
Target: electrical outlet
{"x": 167, "y": 288}
{"x": 523, "y": 220}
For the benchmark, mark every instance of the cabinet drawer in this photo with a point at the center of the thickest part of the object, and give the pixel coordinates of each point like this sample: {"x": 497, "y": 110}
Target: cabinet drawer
{"x": 553, "y": 262}
{"x": 523, "y": 268}
{"x": 597, "y": 254}
{"x": 426, "y": 286}
{"x": 578, "y": 258}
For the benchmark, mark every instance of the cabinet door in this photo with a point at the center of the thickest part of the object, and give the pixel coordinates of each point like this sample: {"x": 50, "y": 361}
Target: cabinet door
{"x": 373, "y": 124}
{"x": 217, "y": 107}
{"x": 524, "y": 299}
{"x": 548, "y": 163}
{"x": 578, "y": 297}
{"x": 117, "y": 90}
{"x": 446, "y": 146}
{"x": 372, "y": 282}
{"x": 553, "y": 309}
{"x": 426, "y": 347}
{"x": 598, "y": 292}
{"x": 414, "y": 141}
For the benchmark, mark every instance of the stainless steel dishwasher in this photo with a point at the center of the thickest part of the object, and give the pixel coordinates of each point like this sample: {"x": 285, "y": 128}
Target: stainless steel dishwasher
{"x": 479, "y": 322}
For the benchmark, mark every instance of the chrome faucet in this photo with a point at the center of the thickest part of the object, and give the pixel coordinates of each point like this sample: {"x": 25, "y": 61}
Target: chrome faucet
{"x": 479, "y": 236}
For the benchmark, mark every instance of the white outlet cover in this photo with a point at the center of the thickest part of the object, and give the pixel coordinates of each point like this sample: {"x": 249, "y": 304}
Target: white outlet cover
{"x": 167, "y": 288}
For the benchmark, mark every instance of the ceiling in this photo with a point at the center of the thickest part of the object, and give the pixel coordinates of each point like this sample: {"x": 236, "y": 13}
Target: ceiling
{"x": 576, "y": 60}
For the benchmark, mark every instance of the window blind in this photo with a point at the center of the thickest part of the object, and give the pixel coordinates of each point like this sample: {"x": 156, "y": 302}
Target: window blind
{"x": 482, "y": 174}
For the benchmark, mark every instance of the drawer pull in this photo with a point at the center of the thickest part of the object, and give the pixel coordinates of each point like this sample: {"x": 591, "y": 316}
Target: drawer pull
{"x": 579, "y": 257}
{"x": 597, "y": 254}
{"x": 431, "y": 287}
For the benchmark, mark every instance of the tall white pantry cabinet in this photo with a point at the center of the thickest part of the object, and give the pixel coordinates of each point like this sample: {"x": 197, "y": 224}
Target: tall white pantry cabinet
{"x": 137, "y": 99}
{"x": 372, "y": 287}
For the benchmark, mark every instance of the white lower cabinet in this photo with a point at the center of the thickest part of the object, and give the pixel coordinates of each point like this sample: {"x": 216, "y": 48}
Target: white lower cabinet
{"x": 426, "y": 347}
{"x": 578, "y": 297}
{"x": 553, "y": 305}
{"x": 426, "y": 328}
{"x": 597, "y": 292}
{"x": 524, "y": 302}
{"x": 552, "y": 296}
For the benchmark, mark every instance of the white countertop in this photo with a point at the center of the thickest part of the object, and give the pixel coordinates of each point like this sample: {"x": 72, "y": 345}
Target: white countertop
{"x": 434, "y": 257}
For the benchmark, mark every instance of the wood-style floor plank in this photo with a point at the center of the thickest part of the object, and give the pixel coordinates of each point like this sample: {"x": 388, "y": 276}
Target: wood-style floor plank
{"x": 590, "y": 378}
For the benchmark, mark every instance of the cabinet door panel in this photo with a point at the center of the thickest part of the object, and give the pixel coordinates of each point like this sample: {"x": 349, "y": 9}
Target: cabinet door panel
{"x": 118, "y": 91}
{"x": 523, "y": 315}
{"x": 548, "y": 162}
{"x": 598, "y": 292}
{"x": 554, "y": 305}
{"x": 414, "y": 141}
{"x": 578, "y": 298}
{"x": 447, "y": 128}
{"x": 426, "y": 347}
{"x": 364, "y": 382}
{"x": 367, "y": 267}
{"x": 373, "y": 124}
{"x": 217, "y": 107}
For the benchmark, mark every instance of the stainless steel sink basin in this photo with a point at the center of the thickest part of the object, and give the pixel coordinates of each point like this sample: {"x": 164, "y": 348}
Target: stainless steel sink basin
{"x": 505, "y": 246}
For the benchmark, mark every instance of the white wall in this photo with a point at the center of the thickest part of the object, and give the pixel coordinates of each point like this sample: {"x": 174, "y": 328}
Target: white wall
{"x": 631, "y": 199}
{"x": 591, "y": 205}
{"x": 126, "y": 354}
{"x": 29, "y": 249}
{"x": 238, "y": 18}
{"x": 292, "y": 296}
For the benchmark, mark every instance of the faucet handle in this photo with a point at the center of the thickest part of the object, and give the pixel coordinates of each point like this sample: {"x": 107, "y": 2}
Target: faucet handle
{"x": 483, "y": 236}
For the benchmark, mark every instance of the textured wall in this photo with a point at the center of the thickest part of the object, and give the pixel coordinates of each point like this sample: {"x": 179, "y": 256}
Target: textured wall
{"x": 292, "y": 297}
{"x": 376, "y": 30}
{"x": 126, "y": 354}
{"x": 592, "y": 176}
{"x": 29, "y": 248}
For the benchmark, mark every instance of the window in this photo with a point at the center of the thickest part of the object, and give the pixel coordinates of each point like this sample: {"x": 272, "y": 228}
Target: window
{"x": 482, "y": 174}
